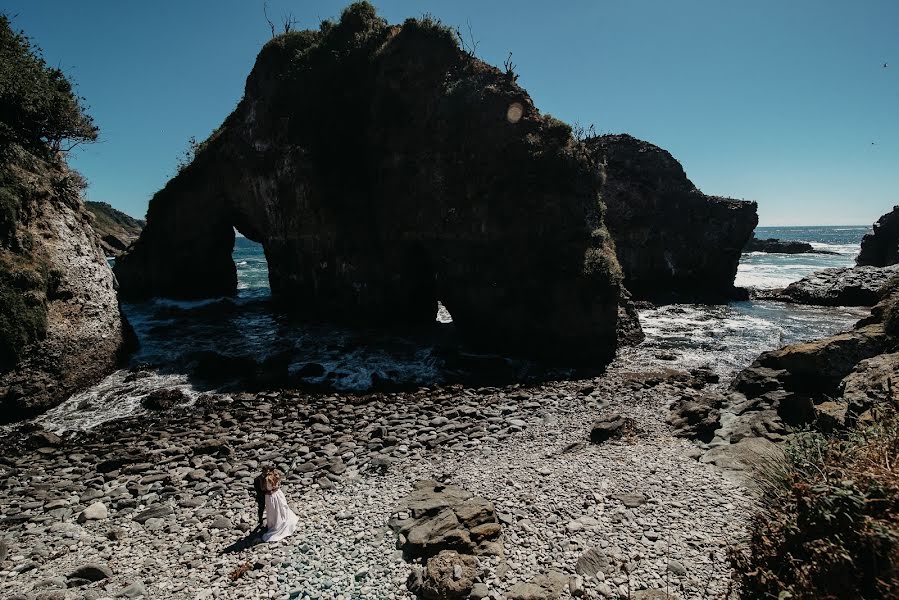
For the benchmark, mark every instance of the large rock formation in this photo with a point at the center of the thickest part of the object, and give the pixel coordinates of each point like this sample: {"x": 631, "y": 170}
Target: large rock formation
{"x": 775, "y": 246}
{"x": 829, "y": 382}
{"x": 383, "y": 168}
{"x": 116, "y": 229}
{"x": 673, "y": 242}
{"x": 60, "y": 326}
{"x": 881, "y": 248}
{"x": 851, "y": 286}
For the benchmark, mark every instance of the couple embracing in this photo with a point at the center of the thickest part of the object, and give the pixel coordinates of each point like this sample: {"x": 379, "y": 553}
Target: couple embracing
{"x": 280, "y": 521}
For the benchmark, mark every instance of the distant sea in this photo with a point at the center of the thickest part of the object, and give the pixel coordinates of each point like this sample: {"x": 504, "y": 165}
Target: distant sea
{"x": 173, "y": 333}
{"x": 769, "y": 271}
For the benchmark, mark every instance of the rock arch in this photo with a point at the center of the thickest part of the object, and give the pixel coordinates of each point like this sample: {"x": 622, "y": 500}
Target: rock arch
{"x": 368, "y": 159}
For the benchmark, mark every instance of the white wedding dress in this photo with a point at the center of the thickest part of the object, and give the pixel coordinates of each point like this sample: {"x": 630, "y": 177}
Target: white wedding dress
{"x": 280, "y": 520}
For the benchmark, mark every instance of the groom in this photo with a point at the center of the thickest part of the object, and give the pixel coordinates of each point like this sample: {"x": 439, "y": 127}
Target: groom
{"x": 259, "y": 488}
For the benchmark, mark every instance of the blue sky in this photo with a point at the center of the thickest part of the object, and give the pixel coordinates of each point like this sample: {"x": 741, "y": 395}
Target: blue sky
{"x": 786, "y": 103}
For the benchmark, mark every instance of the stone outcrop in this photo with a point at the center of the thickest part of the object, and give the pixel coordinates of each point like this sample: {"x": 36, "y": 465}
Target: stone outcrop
{"x": 60, "y": 326}
{"x": 831, "y": 382}
{"x": 383, "y": 169}
{"x": 851, "y": 286}
{"x": 881, "y": 248}
{"x": 116, "y": 229}
{"x": 437, "y": 517}
{"x": 775, "y": 246}
{"x": 673, "y": 242}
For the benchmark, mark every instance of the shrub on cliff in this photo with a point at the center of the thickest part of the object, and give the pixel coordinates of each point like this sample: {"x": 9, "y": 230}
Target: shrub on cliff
{"x": 829, "y": 524}
{"x": 38, "y": 108}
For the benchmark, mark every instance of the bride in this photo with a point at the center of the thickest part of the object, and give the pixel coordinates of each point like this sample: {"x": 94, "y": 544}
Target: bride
{"x": 280, "y": 520}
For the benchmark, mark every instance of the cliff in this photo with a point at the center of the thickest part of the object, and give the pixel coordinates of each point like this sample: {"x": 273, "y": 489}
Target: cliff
{"x": 673, "y": 242}
{"x": 60, "y": 327}
{"x": 383, "y": 168}
{"x": 881, "y": 248}
{"x": 116, "y": 229}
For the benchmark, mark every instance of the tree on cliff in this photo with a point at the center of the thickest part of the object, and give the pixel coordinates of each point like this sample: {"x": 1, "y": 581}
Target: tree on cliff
{"x": 38, "y": 107}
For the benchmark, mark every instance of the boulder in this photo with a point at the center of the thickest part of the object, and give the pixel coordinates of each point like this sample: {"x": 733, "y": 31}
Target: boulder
{"x": 91, "y": 572}
{"x": 446, "y": 576}
{"x": 696, "y": 416}
{"x": 415, "y": 173}
{"x": 851, "y": 286}
{"x": 874, "y": 382}
{"x": 436, "y": 517}
{"x": 673, "y": 242}
{"x": 610, "y": 427}
{"x": 591, "y": 562}
{"x": 881, "y": 248}
{"x": 95, "y": 512}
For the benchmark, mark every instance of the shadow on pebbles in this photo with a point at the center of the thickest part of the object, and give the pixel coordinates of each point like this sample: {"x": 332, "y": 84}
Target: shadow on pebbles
{"x": 169, "y": 514}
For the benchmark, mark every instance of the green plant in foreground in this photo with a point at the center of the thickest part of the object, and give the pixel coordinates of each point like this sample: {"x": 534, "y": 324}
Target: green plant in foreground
{"x": 828, "y": 527}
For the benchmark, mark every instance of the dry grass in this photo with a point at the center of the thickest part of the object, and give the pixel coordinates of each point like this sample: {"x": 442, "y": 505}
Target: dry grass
{"x": 829, "y": 524}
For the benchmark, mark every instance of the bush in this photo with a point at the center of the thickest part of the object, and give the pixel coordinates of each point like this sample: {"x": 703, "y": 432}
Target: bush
{"x": 38, "y": 108}
{"x": 9, "y": 216}
{"x": 829, "y": 524}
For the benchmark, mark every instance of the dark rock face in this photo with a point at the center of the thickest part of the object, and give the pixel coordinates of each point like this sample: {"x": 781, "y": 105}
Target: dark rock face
{"x": 881, "y": 248}
{"x": 673, "y": 241}
{"x": 776, "y": 246}
{"x": 855, "y": 286}
{"x": 116, "y": 229}
{"x": 60, "y": 325}
{"x": 831, "y": 382}
{"x": 412, "y": 173}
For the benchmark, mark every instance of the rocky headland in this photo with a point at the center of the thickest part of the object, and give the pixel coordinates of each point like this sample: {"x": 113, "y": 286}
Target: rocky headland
{"x": 775, "y": 246}
{"x": 450, "y": 186}
{"x": 60, "y": 326}
{"x": 673, "y": 242}
{"x": 850, "y": 286}
{"x": 116, "y": 229}
{"x": 827, "y": 383}
{"x": 881, "y": 248}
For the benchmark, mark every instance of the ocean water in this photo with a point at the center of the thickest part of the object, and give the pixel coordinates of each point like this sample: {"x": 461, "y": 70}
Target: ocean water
{"x": 772, "y": 271}
{"x": 182, "y": 342}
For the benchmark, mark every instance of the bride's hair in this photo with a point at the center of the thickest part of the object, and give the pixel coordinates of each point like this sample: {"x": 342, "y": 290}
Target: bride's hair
{"x": 272, "y": 477}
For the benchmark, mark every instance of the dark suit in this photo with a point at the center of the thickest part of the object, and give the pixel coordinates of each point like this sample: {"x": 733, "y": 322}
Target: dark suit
{"x": 259, "y": 488}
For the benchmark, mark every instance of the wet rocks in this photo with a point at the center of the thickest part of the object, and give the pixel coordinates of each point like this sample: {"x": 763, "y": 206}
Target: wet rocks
{"x": 776, "y": 246}
{"x": 881, "y": 248}
{"x": 164, "y": 399}
{"x": 851, "y": 286}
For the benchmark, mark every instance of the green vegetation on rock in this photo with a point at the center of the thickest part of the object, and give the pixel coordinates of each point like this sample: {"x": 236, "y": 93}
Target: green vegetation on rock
{"x": 23, "y": 311}
{"x": 829, "y": 524}
{"x": 39, "y": 115}
{"x": 38, "y": 107}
